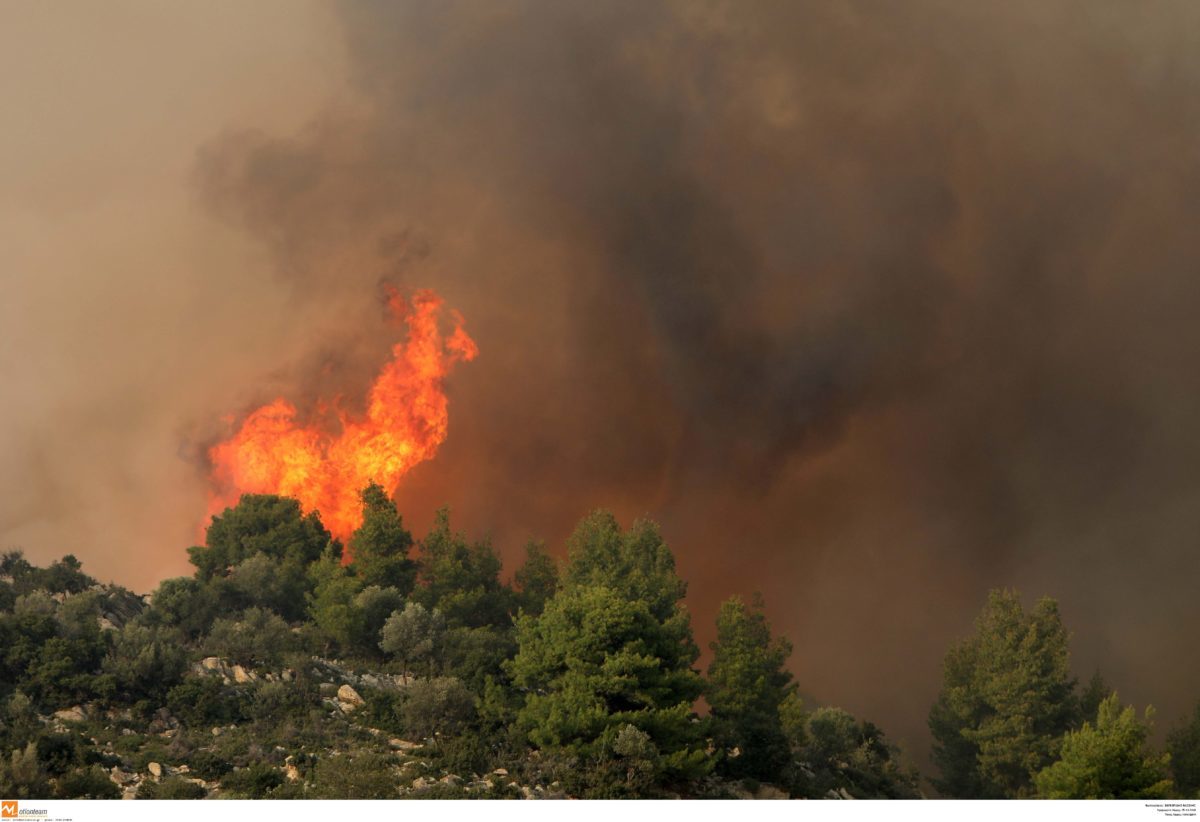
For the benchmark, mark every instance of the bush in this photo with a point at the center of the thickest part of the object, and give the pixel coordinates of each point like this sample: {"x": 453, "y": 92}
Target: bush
{"x": 433, "y": 707}
{"x": 274, "y": 702}
{"x": 256, "y": 637}
{"x": 22, "y": 776}
{"x": 208, "y": 765}
{"x": 58, "y": 753}
{"x": 87, "y": 783}
{"x": 365, "y": 776}
{"x": 200, "y": 701}
{"x": 254, "y": 782}
{"x": 171, "y": 788}
{"x": 384, "y": 710}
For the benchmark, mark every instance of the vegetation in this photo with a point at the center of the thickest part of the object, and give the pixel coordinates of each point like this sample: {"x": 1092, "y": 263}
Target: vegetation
{"x": 287, "y": 668}
{"x": 1107, "y": 760}
{"x": 1008, "y": 698}
{"x": 1183, "y": 744}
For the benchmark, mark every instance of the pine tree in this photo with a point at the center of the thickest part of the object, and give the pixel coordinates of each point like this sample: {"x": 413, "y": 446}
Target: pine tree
{"x": 1107, "y": 759}
{"x": 747, "y": 684}
{"x": 536, "y": 580}
{"x": 1184, "y": 745}
{"x": 461, "y": 579}
{"x": 379, "y": 547}
{"x": 261, "y": 523}
{"x": 613, "y": 650}
{"x": 331, "y": 604}
{"x": 1007, "y": 698}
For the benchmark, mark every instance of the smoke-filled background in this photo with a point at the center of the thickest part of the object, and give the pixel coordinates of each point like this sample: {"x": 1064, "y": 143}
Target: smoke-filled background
{"x": 874, "y": 306}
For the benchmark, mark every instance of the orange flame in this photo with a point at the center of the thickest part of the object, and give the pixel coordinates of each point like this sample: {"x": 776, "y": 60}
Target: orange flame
{"x": 405, "y": 422}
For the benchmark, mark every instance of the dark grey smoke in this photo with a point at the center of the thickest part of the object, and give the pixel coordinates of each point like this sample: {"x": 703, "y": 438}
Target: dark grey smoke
{"x": 874, "y": 305}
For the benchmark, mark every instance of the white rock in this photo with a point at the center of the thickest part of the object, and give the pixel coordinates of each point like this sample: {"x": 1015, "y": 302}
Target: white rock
{"x": 155, "y": 770}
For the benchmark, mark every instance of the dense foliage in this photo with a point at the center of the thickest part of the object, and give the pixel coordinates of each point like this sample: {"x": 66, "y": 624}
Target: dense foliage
{"x": 1007, "y": 700}
{"x": 1107, "y": 759}
{"x": 286, "y": 667}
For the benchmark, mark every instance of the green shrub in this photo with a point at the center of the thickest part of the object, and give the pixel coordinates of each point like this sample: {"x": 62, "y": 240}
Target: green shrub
{"x": 87, "y": 783}
{"x": 171, "y": 788}
{"x": 364, "y": 776}
{"x": 201, "y": 701}
{"x": 208, "y": 765}
{"x": 253, "y": 782}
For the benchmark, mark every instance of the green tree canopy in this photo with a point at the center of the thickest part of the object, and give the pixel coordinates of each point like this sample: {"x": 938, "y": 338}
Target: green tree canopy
{"x": 413, "y": 635}
{"x": 145, "y": 662}
{"x": 1183, "y": 743}
{"x": 1007, "y": 698}
{"x": 601, "y": 656}
{"x": 637, "y": 563}
{"x": 255, "y": 637}
{"x": 379, "y": 547}
{"x": 1107, "y": 760}
{"x": 536, "y": 580}
{"x": 1091, "y": 697}
{"x": 260, "y": 523}
{"x": 331, "y": 603}
{"x": 461, "y": 579}
{"x": 747, "y": 684}
{"x": 265, "y": 582}
{"x": 848, "y": 757}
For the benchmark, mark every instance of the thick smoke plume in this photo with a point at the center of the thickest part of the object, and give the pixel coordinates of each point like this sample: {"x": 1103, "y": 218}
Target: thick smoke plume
{"x": 873, "y": 306}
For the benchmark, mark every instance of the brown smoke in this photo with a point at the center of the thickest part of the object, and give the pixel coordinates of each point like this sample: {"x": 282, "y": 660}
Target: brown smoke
{"x": 874, "y": 306}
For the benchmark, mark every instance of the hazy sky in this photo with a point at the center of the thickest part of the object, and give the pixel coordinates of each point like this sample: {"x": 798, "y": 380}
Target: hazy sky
{"x": 873, "y": 306}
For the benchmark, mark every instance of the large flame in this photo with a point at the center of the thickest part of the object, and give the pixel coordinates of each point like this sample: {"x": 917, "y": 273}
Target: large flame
{"x": 404, "y": 423}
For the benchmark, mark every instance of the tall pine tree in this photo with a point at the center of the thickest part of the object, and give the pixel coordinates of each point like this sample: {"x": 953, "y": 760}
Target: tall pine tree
{"x": 747, "y": 684}
{"x": 1007, "y": 698}
{"x": 379, "y": 547}
{"x": 607, "y": 669}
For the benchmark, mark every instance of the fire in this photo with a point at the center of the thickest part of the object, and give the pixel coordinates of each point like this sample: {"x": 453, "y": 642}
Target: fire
{"x": 405, "y": 421}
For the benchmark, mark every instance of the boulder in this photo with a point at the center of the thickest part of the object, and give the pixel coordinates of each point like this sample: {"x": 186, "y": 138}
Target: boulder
{"x": 347, "y": 695}
{"x": 211, "y": 663}
{"x": 241, "y": 676}
{"x": 155, "y": 769}
{"x": 74, "y": 714}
